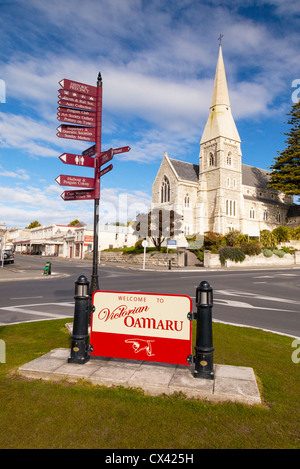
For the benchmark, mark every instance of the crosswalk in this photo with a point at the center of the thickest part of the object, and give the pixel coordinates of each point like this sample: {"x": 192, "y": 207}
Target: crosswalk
{"x": 35, "y": 312}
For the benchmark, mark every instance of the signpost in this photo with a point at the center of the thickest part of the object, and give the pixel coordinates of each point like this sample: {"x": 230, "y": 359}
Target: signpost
{"x": 81, "y": 104}
{"x": 78, "y": 160}
{"x": 142, "y": 326}
{"x": 144, "y": 244}
{"x": 75, "y": 181}
{"x": 78, "y": 195}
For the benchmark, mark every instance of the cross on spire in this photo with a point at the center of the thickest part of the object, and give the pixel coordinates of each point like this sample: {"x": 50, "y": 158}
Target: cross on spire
{"x": 220, "y": 38}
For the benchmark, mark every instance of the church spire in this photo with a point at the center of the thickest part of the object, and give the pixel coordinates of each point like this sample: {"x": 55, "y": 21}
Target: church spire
{"x": 220, "y": 122}
{"x": 220, "y": 91}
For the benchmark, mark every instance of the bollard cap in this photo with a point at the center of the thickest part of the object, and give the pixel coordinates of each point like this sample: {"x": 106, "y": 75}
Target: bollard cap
{"x": 204, "y": 294}
{"x": 82, "y": 286}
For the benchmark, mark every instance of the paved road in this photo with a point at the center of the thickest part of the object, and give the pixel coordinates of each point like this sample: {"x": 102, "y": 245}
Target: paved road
{"x": 268, "y": 299}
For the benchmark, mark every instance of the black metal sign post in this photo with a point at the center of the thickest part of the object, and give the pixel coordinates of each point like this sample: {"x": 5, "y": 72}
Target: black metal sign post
{"x": 204, "y": 367}
{"x": 94, "y": 286}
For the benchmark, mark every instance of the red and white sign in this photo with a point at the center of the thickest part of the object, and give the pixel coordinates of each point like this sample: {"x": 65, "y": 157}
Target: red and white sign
{"x": 121, "y": 150}
{"x": 105, "y": 170}
{"x": 75, "y": 116}
{"x": 75, "y": 181}
{"x": 105, "y": 157}
{"x": 78, "y": 160}
{"x": 77, "y": 105}
{"x": 78, "y": 195}
{"x": 76, "y": 132}
{"x": 142, "y": 326}
{"x": 70, "y": 94}
{"x": 89, "y": 151}
{"x": 78, "y": 87}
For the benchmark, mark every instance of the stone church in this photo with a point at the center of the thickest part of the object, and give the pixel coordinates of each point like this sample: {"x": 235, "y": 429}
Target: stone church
{"x": 221, "y": 193}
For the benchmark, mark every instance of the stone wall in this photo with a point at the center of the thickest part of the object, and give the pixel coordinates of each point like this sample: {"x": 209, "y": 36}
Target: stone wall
{"x": 152, "y": 258}
{"x": 213, "y": 260}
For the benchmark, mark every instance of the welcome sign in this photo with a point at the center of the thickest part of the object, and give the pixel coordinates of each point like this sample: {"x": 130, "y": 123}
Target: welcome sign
{"x": 141, "y": 326}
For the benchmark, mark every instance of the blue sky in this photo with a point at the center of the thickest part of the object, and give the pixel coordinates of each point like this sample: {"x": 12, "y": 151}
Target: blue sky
{"x": 157, "y": 59}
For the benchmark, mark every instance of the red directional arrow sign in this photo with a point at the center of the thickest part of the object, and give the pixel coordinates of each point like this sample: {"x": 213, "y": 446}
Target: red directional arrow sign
{"x": 70, "y": 94}
{"x": 89, "y": 151}
{"x": 106, "y": 170}
{"x": 75, "y": 181}
{"x": 78, "y": 133}
{"x": 78, "y": 160}
{"x": 78, "y": 105}
{"x": 76, "y": 116}
{"x": 78, "y": 195}
{"x": 105, "y": 157}
{"x": 78, "y": 87}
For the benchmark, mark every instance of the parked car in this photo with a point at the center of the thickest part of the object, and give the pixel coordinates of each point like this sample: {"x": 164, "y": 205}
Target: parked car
{"x": 8, "y": 256}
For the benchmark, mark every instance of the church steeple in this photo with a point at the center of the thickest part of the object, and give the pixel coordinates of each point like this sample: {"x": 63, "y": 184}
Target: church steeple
{"x": 220, "y": 91}
{"x": 220, "y": 122}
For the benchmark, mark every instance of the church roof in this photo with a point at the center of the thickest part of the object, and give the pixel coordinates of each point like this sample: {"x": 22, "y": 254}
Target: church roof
{"x": 251, "y": 176}
{"x": 256, "y": 177}
{"x": 186, "y": 171}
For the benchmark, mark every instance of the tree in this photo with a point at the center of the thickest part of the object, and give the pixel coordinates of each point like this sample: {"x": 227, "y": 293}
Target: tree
{"x": 76, "y": 223}
{"x": 158, "y": 225}
{"x": 33, "y": 224}
{"x": 285, "y": 175}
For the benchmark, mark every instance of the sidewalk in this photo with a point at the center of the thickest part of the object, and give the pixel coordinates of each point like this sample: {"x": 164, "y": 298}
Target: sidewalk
{"x": 230, "y": 383}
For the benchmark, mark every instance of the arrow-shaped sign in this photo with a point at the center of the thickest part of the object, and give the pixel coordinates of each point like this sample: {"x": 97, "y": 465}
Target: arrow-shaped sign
{"x": 78, "y": 160}
{"x": 75, "y": 181}
{"x": 105, "y": 170}
{"x": 78, "y": 87}
{"x": 76, "y": 132}
{"x": 78, "y": 195}
{"x": 66, "y": 115}
{"x": 105, "y": 157}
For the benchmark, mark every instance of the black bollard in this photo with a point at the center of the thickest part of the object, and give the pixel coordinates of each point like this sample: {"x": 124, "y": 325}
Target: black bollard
{"x": 80, "y": 336}
{"x": 204, "y": 367}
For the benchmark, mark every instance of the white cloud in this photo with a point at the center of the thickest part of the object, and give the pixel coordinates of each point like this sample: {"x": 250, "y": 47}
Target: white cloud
{"x": 18, "y": 174}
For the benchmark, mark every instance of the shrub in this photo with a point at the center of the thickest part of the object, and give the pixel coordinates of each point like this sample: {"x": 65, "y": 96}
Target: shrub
{"x": 251, "y": 248}
{"x": 282, "y": 233}
{"x": 267, "y": 239}
{"x": 278, "y": 252}
{"x": 267, "y": 252}
{"x": 234, "y": 254}
{"x": 232, "y": 238}
{"x": 295, "y": 233}
{"x": 212, "y": 241}
{"x": 288, "y": 250}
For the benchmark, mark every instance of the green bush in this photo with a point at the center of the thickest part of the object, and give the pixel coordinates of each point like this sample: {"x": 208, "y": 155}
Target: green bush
{"x": 251, "y": 248}
{"x": 232, "y": 238}
{"x": 267, "y": 252}
{"x": 295, "y": 233}
{"x": 232, "y": 253}
{"x": 212, "y": 241}
{"x": 278, "y": 252}
{"x": 282, "y": 233}
{"x": 267, "y": 239}
{"x": 288, "y": 250}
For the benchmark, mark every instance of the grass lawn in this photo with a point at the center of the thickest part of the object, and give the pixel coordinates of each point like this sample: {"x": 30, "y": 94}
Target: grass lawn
{"x": 39, "y": 414}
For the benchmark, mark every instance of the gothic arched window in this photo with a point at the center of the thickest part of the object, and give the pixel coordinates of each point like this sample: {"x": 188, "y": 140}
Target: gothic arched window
{"x": 165, "y": 190}
{"x": 187, "y": 201}
{"x": 229, "y": 158}
{"x": 211, "y": 159}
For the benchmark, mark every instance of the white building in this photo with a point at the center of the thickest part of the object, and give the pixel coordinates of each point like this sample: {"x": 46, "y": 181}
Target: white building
{"x": 220, "y": 193}
{"x": 69, "y": 241}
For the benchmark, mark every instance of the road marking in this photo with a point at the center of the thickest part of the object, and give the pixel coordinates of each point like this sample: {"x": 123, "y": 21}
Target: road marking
{"x": 25, "y": 297}
{"x": 255, "y": 296}
{"x": 23, "y": 310}
{"x": 241, "y": 304}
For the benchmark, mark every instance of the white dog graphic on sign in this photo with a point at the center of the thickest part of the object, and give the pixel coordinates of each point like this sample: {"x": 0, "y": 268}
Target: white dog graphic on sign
{"x": 140, "y": 344}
